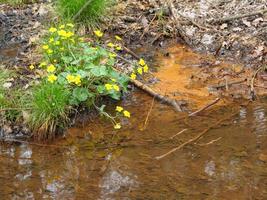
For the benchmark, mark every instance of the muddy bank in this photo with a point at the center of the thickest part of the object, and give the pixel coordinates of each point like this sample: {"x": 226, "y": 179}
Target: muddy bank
{"x": 20, "y": 30}
{"x": 203, "y": 25}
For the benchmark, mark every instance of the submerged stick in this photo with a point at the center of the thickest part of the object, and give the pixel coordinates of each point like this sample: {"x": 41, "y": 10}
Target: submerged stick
{"x": 179, "y": 133}
{"x": 206, "y": 107}
{"x": 194, "y": 138}
{"x": 148, "y": 114}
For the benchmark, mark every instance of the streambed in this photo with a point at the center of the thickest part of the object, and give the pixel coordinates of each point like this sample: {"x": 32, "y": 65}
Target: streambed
{"x": 93, "y": 161}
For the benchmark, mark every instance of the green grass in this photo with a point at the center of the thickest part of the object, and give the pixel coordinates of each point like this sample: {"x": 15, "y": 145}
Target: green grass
{"x": 49, "y": 110}
{"x": 93, "y": 13}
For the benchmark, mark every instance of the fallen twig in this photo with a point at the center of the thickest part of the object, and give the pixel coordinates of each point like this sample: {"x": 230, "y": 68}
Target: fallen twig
{"x": 179, "y": 133}
{"x": 211, "y": 142}
{"x": 252, "y": 89}
{"x": 229, "y": 84}
{"x": 148, "y": 114}
{"x": 194, "y": 138}
{"x": 158, "y": 96}
{"x": 206, "y": 107}
{"x": 226, "y": 19}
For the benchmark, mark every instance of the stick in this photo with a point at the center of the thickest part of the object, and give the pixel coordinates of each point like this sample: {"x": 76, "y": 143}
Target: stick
{"x": 171, "y": 102}
{"x": 131, "y": 52}
{"x": 193, "y": 139}
{"x": 226, "y": 19}
{"x": 179, "y": 133}
{"x": 252, "y": 90}
{"x": 229, "y": 84}
{"x": 211, "y": 142}
{"x": 148, "y": 114}
{"x": 82, "y": 9}
{"x": 206, "y": 107}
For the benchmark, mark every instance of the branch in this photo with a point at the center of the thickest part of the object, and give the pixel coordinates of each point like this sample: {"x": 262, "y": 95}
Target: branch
{"x": 226, "y": 19}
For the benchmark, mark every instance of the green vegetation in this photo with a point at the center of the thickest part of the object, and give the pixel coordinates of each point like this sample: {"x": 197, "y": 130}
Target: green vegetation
{"x": 49, "y": 109}
{"x": 72, "y": 73}
{"x": 91, "y": 11}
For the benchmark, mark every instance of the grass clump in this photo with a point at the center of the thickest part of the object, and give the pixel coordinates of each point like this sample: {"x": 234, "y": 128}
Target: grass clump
{"x": 49, "y": 109}
{"x": 92, "y": 12}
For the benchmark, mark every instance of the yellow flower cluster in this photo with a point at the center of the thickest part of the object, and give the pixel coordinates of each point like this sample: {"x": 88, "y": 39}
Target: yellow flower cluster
{"x": 98, "y": 33}
{"x": 124, "y": 112}
{"x": 52, "y": 78}
{"x": 51, "y": 68}
{"x": 74, "y": 79}
{"x": 111, "y": 87}
{"x": 142, "y": 68}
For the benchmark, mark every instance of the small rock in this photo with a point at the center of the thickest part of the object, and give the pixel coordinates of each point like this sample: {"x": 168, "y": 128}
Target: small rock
{"x": 7, "y": 85}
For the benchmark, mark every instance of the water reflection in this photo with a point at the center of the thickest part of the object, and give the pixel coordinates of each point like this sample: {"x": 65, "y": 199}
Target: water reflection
{"x": 228, "y": 168}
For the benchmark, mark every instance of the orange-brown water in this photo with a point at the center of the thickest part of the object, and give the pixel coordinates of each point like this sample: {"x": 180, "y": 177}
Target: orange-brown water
{"x": 96, "y": 162}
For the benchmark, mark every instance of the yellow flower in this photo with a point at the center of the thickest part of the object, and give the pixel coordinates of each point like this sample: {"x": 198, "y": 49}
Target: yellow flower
{"x": 81, "y": 39}
{"x": 62, "y": 33}
{"x": 146, "y": 68}
{"x": 133, "y": 76}
{"x": 70, "y": 78}
{"x": 110, "y": 44}
{"x": 77, "y": 80}
{"x": 52, "y": 30}
{"x": 98, "y": 33}
{"x": 117, "y": 126}
{"x": 114, "y": 80}
{"x": 62, "y": 26}
{"x": 70, "y": 25}
{"x": 49, "y": 51}
{"x": 51, "y": 68}
{"x": 42, "y": 64}
{"x": 142, "y": 62}
{"x": 112, "y": 55}
{"x": 57, "y": 43}
{"x": 69, "y": 34}
{"x": 45, "y": 47}
{"x": 119, "y": 108}
{"x": 118, "y": 37}
{"x": 31, "y": 67}
{"x": 52, "y": 78}
{"x": 62, "y": 49}
{"x": 51, "y": 40}
{"x": 118, "y": 48}
{"x": 108, "y": 86}
{"x": 116, "y": 88}
{"x": 127, "y": 113}
{"x": 140, "y": 70}
{"x": 54, "y": 60}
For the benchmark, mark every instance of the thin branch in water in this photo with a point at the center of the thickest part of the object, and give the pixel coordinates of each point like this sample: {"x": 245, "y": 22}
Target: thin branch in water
{"x": 177, "y": 134}
{"x": 195, "y": 138}
{"x": 211, "y": 142}
{"x": 206, "y": 107}
{"x": 148, "y": 114}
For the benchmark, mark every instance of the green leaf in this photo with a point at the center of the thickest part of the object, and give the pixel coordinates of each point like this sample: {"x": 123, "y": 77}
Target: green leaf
{"x": 81, "y": 94}
{"x": 67, "y": 59}
{"x": 99, "y": 71}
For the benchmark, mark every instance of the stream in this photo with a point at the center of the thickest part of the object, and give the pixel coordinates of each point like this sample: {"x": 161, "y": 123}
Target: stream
{"x": 94, "y": 161}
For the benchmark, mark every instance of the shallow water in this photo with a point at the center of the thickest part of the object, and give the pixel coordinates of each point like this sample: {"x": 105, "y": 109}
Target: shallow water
{"x": 94, "y": 161}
